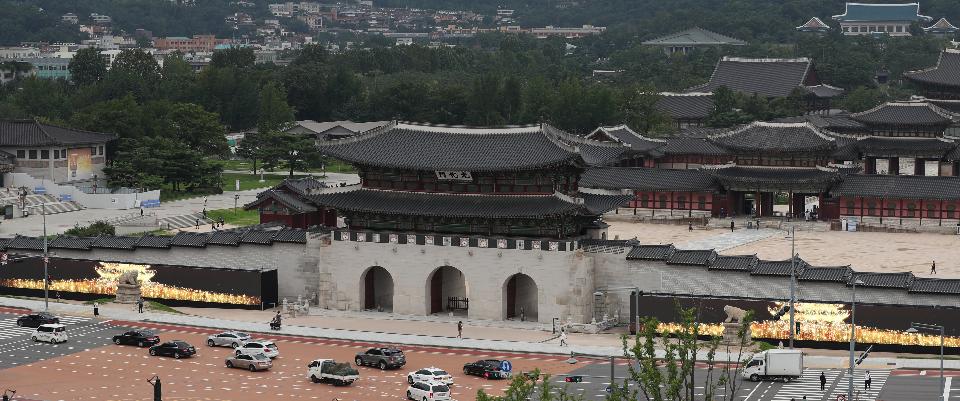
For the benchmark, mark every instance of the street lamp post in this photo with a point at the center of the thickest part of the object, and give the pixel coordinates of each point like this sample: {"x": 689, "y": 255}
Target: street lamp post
{"x": 916, "y": 327}
{"x": 46, "y": 258}
{"x": 793, "y": 280}
{"x": 853, "y": 335}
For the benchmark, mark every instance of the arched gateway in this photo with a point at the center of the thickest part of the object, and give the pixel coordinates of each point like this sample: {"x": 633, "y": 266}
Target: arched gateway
{"x": 376, "y": 289}
{"x": 447, "y": 291}
{"x": 520, "y": 297}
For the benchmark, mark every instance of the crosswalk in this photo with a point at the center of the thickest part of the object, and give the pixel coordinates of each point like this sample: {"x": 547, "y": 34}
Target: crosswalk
{"x": 808, "y": 385}
{"x": 9, "y": 329}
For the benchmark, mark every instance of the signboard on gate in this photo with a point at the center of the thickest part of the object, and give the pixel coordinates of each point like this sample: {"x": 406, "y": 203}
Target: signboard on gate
{"x": 454, "y": 175}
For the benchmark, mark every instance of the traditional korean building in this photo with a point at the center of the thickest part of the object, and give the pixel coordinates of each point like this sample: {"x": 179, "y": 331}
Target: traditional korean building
{"x": 644, "y": 149}
{"x": 941, "y": 28}
{"x": 941, "y": 81}
{"x": 286, "y": 204}
{"x": 891, "y": 198}
{"x": 772, "y": 78}
{"x": 871, "y": 19}
{"x": 907, "y": 119}
{"x": 814, "y": 25}
{"x": 686, "y": 109}
{"x": 685, "y": 41}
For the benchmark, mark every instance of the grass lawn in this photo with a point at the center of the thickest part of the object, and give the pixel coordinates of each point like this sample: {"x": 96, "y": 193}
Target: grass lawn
{"x": 239, "y": 217}
{"x": 332, "y": 166}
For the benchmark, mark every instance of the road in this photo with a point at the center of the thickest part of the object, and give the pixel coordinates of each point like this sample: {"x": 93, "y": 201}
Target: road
{"x": 90, "y": 367}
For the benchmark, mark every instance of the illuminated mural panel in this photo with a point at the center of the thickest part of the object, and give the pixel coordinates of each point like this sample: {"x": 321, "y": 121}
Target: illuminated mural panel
{"x": 177, "y": 283}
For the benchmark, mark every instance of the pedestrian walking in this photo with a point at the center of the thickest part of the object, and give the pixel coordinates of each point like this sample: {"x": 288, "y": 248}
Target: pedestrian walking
{"x": 96, "y": 308}
{"x": 933, "y": 267}
{"x": 563, "y": 337}
{"x": 866, "y": 381}
{"x": 460, "y": 329}
{"x": 140, "y": 305}
{"x": 823, "y": 382}
{"x": 731, "y": 225}
{"x": 141, "y": 212}
{"x": 198, "y": 224}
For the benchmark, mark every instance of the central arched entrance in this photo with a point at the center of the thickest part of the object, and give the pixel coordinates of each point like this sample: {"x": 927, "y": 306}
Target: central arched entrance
{"x": 521, "y": 297}
{"x": 447, "y": 291}
{"x": 376, "y": 289}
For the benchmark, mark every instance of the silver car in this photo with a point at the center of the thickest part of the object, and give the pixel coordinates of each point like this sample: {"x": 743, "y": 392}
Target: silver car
{"x": 231, "y": 339}
{"x": 252, "y": 363}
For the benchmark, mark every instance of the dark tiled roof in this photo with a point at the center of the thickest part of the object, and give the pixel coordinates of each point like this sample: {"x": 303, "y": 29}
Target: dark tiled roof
{"x": 196, "y": 240}
{"x": 290, "y": 201}
{"x": 906, "y": 113}
{"x": 22, "y": 242}
{"x": 627, "y": 136}
{"x": 600, "y": 153}
{"x": 775, "y": 138}
{"x": 823, "y": 90}
{"x": 686, "y": 106}
{"x": 935, "y": 286}
{"x": 777, "y": 268}
{"x": 683, "y": 145}
{"x": 651, "y": 252}
{"x": 838, "y": 274}
{"x": 837, "y": 123}
{"x": 154, "y": 241}
{"x": 258, "y": 237}
{"x": 899, "y": 186}
{"x": 692, "y": 257}
{"x": 772, "y": 175}
{"x": 941, "y": 26}
{"x": 68, "y": 242}
{"x": 302, "y": 186}
{"x": 735, "y": 262}
{"x": 291, "y": 235}
{"x": 611, "y": 246}
{"x": 814, "y": 24}
{"x": 946, "y": 72}
{"x": 111, "y": 242}
{"x": 600, "y": 204}
{"x": 904, "y": 146}
{"x": 695, "y": 36}
{"x": 864, "y": 12}
{"x": 764, "y": 77}
{"x": 425, "y": 147}
{"x": 885, "y": 280}
{"x": 4, "y": 242}
{"x": 429, "y": 204}
{"x": 34, "y": 133}
{"x": 647, "y": 179}
{"x": 224, "y": 238}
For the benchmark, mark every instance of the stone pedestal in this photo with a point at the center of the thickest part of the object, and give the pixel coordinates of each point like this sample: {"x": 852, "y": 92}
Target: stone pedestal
{"x": 127, "y": 293}
{"x": 730, "y": 333}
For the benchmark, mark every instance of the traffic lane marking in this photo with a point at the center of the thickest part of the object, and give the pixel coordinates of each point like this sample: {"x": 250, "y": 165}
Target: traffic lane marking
{"x": 117, "y": 372}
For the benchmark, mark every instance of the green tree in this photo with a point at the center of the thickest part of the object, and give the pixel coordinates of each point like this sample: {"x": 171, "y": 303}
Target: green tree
{"x": 255, "y": 146}
{"x": 136, "y": 72}
{"x": 95, "y": 229}
{"x": 640, "y": 111}
{"x": 274, "y": 112}
{"x": 863, "y": 98}
{"x": 294, "y": 151}
{"x": 177, "y": 79}
{"x": 234, "y": 57}
{"x": 122, "y": 116}
{"x": 199, "y": 129}
{"x": 88, "y": 66}
{"x": 530, "y": 386}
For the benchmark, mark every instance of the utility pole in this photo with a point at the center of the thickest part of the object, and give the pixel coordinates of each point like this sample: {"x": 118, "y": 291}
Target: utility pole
{"x": 793, "y": 281}
{"x": 853, "y": 336}
{"x": 46, "y": 259}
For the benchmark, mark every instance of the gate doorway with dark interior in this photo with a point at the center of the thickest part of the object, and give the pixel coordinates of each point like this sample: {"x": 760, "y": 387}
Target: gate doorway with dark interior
{"x": 376, "y": 289}
{"x": 521, "y": 298}
{"x": 447, "y": 291}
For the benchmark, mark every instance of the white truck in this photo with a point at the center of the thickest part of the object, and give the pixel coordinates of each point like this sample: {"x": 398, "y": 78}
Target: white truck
{"x": 782, "y": 364}
{"x": 331, "y": 371}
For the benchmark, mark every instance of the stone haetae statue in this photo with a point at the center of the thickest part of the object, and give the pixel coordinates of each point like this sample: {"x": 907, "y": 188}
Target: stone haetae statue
{"x": 732, "y": 325}
{"x": 128, "y": 288}
{"x": 734, "y": 314}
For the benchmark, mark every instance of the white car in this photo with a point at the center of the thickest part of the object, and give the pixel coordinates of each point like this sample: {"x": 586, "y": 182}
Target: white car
{"x": 265, "y": 347}
{"x": 228, "y": 339}
{"x": 430, "y": 375}
{"x": 428, "y": 392}
{"x": 51, "y": 333}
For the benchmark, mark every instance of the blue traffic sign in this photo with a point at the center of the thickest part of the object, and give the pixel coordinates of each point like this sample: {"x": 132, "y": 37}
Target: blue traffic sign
{"x": 506, "y": 366}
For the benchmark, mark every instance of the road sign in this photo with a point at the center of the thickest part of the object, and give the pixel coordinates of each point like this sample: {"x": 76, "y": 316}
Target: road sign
{"x": 506, "y": 366}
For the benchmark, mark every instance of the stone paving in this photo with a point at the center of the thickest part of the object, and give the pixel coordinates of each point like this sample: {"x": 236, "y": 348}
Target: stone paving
{"x": 729, "y": 240}
{"x": 426, "y": 334}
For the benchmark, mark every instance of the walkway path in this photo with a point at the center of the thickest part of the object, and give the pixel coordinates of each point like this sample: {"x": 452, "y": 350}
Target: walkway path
{"x": 352, "y": 327}
{"x": 729, "y": 240}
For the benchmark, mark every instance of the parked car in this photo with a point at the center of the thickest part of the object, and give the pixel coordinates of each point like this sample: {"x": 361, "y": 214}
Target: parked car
{"x": 252, "y": 363}
{"x": 428, "y": 392}
{"x": 330, "y": 371}
{"x": 176, "y": 348}
{"x": 228, "y": 339}
{"x": 430, "y": 375}
{"x": 383, "y": 358}
{"x": 486, "y": 368}
{"x": 264, "y": 347}
{"x": 140, "y": 338}
{"x": 51, "y": 333}
{"x": 36, "y": 319}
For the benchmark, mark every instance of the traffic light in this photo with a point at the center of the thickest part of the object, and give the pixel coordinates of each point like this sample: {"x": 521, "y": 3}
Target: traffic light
{"x": 781, "y": 312}
{"x": 573, "y": 379}
{"x": 864, "y": 354}
{"x": 797, "y": 329}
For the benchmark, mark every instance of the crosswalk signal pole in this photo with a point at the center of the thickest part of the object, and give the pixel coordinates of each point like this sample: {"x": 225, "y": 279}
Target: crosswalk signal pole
{"x": 157, "y": 392}
{"x": 46, "y": 274}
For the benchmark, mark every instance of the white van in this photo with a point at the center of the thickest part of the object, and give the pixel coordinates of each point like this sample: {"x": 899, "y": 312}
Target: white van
{"x": 51, "y": 333}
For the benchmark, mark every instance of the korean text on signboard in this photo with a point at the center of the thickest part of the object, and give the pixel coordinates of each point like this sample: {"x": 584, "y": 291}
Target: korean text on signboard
{"x": 454, "y": 175}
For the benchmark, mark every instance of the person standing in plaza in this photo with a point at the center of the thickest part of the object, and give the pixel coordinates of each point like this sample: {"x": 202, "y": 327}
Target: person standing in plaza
{"x": 96, "y": 308}
{"x": 563, "y": 337}
{"x": 866, "y": 381}
{"x": 823, "y": 382}
{"x": 460, "y": 329}
{"x": 731, "y": 225}
{"x": 933, "y": 267}
{"x": 140, "y": 305}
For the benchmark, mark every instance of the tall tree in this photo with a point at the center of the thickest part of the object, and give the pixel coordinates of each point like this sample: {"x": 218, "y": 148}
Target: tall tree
{"x": 274, "y": 113}
{"x": 199, "y": 129}
{"x": 88, "y": 66}
{"x": 234, "y": 57}
{"x": 136, "y": 72}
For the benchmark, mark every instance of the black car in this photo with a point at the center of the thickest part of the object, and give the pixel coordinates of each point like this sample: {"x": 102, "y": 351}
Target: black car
{"x": 177, "y": 349}
{"x": 486, "y": 368}
{"x": 383, "y": 358}
{"x": 36, "y": 319}
{"x": 140, "y": 338}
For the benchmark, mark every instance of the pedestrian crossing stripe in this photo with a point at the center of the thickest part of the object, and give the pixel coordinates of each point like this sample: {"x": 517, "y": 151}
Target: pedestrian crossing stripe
{"x": 808, "y": 384}
{"x": 9, "y": 328}
{"x": 877, "y": 379}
